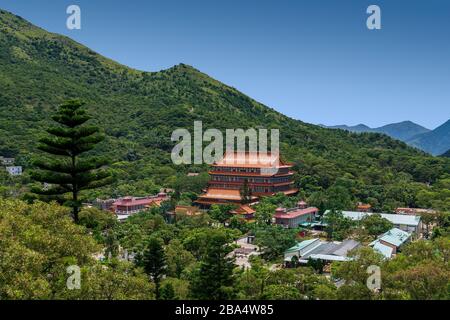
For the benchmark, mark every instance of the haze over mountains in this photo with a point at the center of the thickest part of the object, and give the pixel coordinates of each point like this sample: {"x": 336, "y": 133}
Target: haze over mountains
{"x": 435, "y": 141}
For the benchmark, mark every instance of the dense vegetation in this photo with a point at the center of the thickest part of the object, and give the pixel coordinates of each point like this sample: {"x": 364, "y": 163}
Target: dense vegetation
{"x": 187, "y": 260}
{"x": 39, "y": 242}
{"x": 139, "y": 110}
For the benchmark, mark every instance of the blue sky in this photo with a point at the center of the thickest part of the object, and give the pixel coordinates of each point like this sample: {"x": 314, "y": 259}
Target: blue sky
{"x": 312, "y": 60}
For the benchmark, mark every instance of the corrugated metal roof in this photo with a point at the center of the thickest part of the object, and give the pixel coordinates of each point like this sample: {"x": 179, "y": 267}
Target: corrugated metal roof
{"x": 345, "y": 247}
{"x": 354, "y": 215}
{"x": 395, "y": 236}
{"x": 383, "y": 249}
{"x": 397, "y": 219}
{"x": 333, "y": 251}
{"x": 329, "y": 257}
{"x": 323, "y": 248}
{"x": 302, "y": 245}
{"x": 402, "y": 219}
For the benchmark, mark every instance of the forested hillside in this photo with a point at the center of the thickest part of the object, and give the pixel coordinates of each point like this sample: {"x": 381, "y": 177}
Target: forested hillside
{"x": 139, "y": 110}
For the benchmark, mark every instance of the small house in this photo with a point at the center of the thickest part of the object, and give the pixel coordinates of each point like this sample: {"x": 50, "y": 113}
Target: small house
{"x": 14, "y": 170}
{"x": 408, "y": 223}
{"x": 131, "y": 205}
{"x": 7, "y": 161}
{"x": 317, "y": 249}
{"x": 294, "y": 217}
{"x": 390, "y": 242}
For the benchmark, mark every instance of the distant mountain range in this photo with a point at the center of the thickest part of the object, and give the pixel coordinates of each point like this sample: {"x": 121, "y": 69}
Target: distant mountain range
{"x": 435, "y": 141}
{"x": 447, "y": 154}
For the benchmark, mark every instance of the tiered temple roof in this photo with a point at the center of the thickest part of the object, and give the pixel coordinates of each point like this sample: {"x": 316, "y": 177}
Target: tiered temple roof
{"x": 265, "y": 173}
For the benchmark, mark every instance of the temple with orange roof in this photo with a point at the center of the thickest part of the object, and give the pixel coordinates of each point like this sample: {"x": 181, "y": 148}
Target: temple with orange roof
{"x": 266, "y": 175}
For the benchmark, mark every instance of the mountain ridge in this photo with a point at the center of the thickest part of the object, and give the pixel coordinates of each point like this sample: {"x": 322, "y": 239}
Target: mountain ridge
{"x": 138, "y": 111}
{"x": 403, "y": 130}
{"x": 434, "y": 141}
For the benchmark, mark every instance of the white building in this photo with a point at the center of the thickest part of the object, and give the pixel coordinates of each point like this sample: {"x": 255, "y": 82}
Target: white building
{"x": 14, "y": 171}
{"x": 7, "y": 161}
{"x": 390, "y": 242}
{"x": 317, "y": 249}
{"x": 408, "y": 223}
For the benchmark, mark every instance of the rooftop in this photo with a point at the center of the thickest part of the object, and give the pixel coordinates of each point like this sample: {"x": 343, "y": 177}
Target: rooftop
{"x": 402, "y": 219}
{"x": 244, "y": 209}
{"x": 294, "y": 213}
{"x": 188, "y": 210}
{"x": 332, "y": 251}
{"x": 383, "y": 249}
{"x": 398, "y": 219}
{"x": 252, "y": 160}
{"x": 344, "y": 247}
{"x": 301, "y": 245}
{"x": 135, "y": 201}
{"x": 394, "y": 236}
{"x": 226, "y": 194}
{"x": 329, "y": 257}
{"x": 414, "y": 210}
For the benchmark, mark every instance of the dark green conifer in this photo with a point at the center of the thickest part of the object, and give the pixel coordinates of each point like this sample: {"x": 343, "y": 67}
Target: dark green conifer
{"x": 65, "y": 167}
{"x": 153, "y": 260}
{"x": 214, "y": 279}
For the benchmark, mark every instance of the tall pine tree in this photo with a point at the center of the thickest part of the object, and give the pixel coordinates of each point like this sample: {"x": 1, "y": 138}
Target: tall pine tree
{"x": 65, "y": 167}
{"x": 153, "y": 260}
{"x": 214, "y": 279}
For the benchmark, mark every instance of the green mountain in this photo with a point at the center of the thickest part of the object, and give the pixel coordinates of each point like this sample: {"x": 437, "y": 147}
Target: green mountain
{"x": 358, "y": 128}
{"x": 403, "y": 131}
{"x": 435, "y": 142}
{"x": 138, "y": 111}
